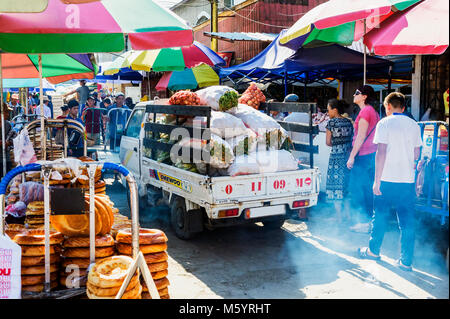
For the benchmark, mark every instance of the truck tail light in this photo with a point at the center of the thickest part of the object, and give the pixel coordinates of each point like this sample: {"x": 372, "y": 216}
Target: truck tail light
{"x": 228, "y": 212}
{"x": 300, "y": 203}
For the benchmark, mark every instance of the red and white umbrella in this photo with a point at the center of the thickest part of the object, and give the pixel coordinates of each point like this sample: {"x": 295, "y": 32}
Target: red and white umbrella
{"x": 421, "y": 29}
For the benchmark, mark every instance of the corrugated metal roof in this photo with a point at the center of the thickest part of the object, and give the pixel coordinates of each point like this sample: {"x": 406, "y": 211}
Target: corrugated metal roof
{"x": 242, "y": 36}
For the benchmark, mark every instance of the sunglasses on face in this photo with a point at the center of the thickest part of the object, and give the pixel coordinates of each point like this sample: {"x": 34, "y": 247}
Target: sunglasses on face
{"x": 357, "y": 92}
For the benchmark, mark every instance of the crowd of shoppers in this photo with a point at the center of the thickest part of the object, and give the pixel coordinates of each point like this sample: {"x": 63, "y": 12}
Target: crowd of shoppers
{"x": 371, "y": 169}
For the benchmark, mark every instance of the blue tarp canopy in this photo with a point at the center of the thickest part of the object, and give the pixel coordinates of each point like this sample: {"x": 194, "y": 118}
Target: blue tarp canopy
{"x": 307, "y": 65}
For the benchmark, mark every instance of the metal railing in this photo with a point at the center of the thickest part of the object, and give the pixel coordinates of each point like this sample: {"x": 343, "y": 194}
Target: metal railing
{"x": 50, "y": 124}
{"x": 116, "y": 130}
{"x": 21, "y": 120}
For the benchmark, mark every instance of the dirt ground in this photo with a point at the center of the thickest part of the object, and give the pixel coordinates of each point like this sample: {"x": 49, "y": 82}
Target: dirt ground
{"x": 312, "y": 259}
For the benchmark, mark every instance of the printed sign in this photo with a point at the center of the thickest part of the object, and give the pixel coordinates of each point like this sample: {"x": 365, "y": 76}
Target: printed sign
{"x": 186, "y": 186}
{"x": 10, "y": 268}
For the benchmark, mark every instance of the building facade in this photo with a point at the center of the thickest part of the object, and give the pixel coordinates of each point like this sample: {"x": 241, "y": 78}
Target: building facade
{"x": 255, "y": 16}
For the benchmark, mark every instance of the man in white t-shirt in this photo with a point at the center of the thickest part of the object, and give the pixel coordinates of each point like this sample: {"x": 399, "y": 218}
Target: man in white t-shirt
{"x": 399, "y": 140}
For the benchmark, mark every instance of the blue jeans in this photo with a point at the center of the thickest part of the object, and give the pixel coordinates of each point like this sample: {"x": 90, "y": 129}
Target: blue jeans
{"x": 401, "y": 197}
{"x": 360, "y": 188}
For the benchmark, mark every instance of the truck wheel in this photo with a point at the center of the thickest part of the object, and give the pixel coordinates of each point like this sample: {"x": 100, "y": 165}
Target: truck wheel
{"x": 273, "y": 224}
{"x": 178, "y": 219}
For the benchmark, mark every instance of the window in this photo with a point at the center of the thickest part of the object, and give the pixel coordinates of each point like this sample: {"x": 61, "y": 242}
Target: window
{"x": 134, "y": 125}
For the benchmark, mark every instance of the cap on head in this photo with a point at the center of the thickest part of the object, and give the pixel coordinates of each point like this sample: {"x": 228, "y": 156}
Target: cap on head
{"x": 119, "y": 94}
{"x": 72, "y": 103}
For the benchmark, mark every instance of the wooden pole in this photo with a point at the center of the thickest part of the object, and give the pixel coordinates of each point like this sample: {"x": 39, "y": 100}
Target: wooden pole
{"x": 41, "y": 102}
{"x": 365, "y": 53}
{"x": 214, "y": 24}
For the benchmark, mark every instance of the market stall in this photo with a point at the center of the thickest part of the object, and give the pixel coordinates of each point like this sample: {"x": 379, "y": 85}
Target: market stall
{"x": 56, "y": 147}
{"x": 80, "y": 235}
{"x": 304, "y": 65}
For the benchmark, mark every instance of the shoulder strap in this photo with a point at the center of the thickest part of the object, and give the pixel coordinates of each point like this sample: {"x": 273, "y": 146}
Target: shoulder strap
{"x": 373, "y": 129}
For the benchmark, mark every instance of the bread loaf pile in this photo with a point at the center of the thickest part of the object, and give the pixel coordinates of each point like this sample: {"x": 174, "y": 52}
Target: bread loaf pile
{"x": 12, "y": 193}
{"x": 35, "y": 215}
{"x": 120, "y": 222}
{"x": 76, "y": 258}
{"x": 107, "y": 276}
{"x": 13, "y": 229}
{"x": 32, "y": 243}
{"x": 78, "y": 225}
{"x": 153, "y": 245}
{"x": 33, "y": 177}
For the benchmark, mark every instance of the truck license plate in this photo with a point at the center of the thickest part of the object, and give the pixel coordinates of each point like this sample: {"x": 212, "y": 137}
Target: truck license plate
{"x": 267, "y": 211}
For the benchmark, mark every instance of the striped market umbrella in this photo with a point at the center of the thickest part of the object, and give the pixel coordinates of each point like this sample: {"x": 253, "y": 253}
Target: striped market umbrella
{"x": 81, "y": 26}
{"x": 56, "y": 68}
{"x": 201, "y": 75}
{"x": 97, "y": 26}
{"x": 169, "y": 59}
{"x": 422, "y": 29}
{"x": 341, "y": 21}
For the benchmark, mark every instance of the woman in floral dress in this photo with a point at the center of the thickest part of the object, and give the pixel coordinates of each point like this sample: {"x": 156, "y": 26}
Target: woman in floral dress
{"x": 339, "y": 134}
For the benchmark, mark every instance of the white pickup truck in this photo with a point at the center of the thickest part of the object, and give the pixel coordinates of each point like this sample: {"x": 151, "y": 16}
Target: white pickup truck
{"x": 199, "y": 201}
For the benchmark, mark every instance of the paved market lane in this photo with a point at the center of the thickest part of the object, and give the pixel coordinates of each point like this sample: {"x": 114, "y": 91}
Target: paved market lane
{"x": 315, "y": 259}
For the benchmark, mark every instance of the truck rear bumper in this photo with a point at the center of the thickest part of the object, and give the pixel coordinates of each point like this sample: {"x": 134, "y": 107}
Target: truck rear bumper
{"x": 260, "y": 209}
{"x": 225, "y": 222}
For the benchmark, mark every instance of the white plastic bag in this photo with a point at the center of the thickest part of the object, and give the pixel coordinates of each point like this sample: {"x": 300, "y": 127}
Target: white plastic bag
{"x": 10, "y": 269}
{"x": 23, "y": 149}
{"x": 263, "y": 162}
{"x": 221, "y": 154}
{"x": 212, "y": 94}
{"x": 255, "y": 119}
{"x": 223, "y": 124}
{"x": 269, "y": 131}
{"x": 243, "y": 144}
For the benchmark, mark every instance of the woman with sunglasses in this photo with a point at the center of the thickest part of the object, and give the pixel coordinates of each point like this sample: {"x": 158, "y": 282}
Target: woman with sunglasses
{"x": 361, "y": 161}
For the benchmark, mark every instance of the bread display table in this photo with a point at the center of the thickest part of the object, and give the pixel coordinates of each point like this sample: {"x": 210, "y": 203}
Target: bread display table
{"x": 95, "y": 243}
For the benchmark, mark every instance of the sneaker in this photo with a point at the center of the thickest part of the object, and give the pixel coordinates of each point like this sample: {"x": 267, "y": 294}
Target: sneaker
{"x": 361, "y": 228}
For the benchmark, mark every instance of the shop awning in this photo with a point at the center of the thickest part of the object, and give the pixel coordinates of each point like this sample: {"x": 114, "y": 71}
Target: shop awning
{"x": 306, "y": 65}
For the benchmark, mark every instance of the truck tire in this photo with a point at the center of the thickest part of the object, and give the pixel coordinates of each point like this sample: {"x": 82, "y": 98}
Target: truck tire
{"x": 179, "y": 219}
{"x": 273, "y": 224}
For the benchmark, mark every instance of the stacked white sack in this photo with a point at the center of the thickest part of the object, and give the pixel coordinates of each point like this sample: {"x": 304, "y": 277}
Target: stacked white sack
{"x": 270, "y": 133}
{"x": 263, "y": 162}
